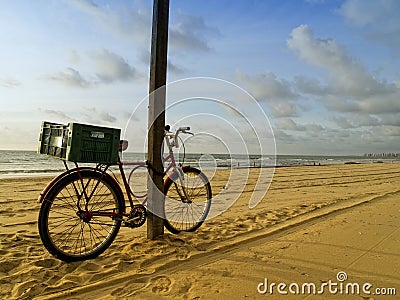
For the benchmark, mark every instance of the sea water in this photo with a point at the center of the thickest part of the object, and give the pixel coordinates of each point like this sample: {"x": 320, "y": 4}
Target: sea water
{"x": 30, "y": 163}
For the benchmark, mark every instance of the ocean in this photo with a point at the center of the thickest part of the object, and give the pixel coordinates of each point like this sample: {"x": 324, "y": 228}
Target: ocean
{"x": 29, "y": 163}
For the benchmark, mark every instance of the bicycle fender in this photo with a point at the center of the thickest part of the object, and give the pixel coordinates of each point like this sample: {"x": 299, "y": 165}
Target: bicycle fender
{"x": 45, "y": 191}
{"x": 174, "y": 174}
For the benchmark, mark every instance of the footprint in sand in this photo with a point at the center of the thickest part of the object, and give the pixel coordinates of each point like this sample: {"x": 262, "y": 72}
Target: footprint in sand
{"x": 90, "y": 266}
{"x": 182, "y": 253}
{"x": 160, "y": 284}
{"x": 47, "y": 263}
{"x": 9, "y": 265}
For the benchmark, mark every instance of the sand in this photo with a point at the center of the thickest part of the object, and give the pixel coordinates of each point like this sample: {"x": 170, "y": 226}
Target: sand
{"x": 313, "y": 223}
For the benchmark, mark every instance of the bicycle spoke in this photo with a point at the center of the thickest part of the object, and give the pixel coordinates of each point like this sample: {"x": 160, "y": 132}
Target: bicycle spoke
{"x": 76, "y": 227}
{"x": 186, "y": 206}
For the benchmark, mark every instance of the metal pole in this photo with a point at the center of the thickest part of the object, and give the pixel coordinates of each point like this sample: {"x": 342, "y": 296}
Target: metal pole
{"x": 158, "y": 75}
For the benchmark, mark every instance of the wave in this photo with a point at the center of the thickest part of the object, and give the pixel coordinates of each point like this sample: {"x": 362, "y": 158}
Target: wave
{"x": 14, "y": 163}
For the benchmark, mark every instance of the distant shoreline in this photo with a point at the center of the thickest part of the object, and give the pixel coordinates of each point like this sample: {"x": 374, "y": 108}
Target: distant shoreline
{"x": 52, "y": 174}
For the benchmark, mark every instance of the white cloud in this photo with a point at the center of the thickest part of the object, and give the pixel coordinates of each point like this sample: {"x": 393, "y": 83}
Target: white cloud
{"x": 348, "y": 75}
{"x": 276, "y": 93}
{"x": 111, "y": 67}
{"x": 361, "y": 12}
{"x": 357, "y": 120}
{"x": 57, "y": 115}
{"x": 343, "y": 122}
{"x": 350, "y": 87}
{"x": 133, "y": 24}
{"x": 93, "y": 115}
{"x": 308, "y": 85}
{"x": 391, "y": 131}
{"x": 108, "y": 67}
{"x": 282, "y": 109}
{"x": 361, "y": 111}
{"x": 171, "y": 67}
{"x": 191, "y": 33}
{"x": 391, "y": 119}
{"x": 127, "y": 23}
{"x": 379, "y": 18}
{"x": 267, "y": 87}
{"x": 289, "y": 124}
{"x": 73, "y": 56}
{"x": 9, "y": 82}
{"x": 70, "y": 77}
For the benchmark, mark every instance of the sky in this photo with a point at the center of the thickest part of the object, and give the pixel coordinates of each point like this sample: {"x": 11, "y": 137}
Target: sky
{"x": 324, "y": 74}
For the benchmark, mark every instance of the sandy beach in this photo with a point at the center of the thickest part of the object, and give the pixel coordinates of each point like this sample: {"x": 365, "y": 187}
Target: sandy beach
{"x": 314, "y": 223}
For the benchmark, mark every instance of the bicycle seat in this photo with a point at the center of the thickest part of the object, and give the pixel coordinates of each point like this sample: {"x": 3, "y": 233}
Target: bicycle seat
{"x": 123, "y": 145}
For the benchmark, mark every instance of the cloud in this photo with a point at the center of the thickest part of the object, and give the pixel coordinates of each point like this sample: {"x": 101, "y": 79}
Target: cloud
{"x": 282, "y": 109}
{"x": 267, "y": 87}
{"x": 391, "y": 131}
{"x": 107, "y": 66}
{"x": 110, "y": 67}
{"x": 357, "y": 120}
{"x": 290, "y": 125}
{"x": 174, "y": 69}
{"x": 93, "y": 115}
{"x": 186, "y": 32}
{"x": 57, "y": 114}
{"x": 87, "y": 114}
{"x": 314, "y": 138}
{"x": 190, "y": 32}
{"x": 9, "y": 82}
{"x": 391, "y": 119}
{"x": 130, "y": 24}
{"x": 277, "y": 93}
{"x": 379, "y": 18}
{"x": 73, "y": 57}
{"x": 350, "y": 87}
{"x": 343, "y": 122}
{"x": 362, "y": 12}
{"x": 309, "y": 85}
{"x": 360, "y": 111}
{"x": 347, "y": 74}
{"x": 70, "y": 77}
{"x": 171, "y": 67}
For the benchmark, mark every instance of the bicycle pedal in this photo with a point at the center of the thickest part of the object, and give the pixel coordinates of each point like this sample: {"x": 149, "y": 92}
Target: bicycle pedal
{"x": 137, "y": 217}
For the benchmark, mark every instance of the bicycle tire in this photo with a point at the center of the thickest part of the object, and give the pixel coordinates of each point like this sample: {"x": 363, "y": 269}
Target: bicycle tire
{"x": 181, "y": 214}
{"x": 71, "y": 233}
{"x": 56, "y": 179}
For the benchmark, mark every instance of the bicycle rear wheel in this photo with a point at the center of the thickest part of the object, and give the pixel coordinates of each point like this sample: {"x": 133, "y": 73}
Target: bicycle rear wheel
{"x": 183, "y": 213}
{"x": 77, "y": 219}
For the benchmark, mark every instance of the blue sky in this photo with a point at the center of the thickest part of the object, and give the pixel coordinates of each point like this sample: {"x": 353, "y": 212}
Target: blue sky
{"x": 326, "y": 73}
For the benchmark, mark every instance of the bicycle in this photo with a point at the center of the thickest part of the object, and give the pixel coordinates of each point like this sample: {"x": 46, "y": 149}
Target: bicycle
{"x": 83, "y": 208}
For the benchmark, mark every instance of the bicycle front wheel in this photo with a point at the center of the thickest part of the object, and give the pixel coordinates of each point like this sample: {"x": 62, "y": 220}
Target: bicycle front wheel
{"x": 186, "y": 205}
{"x": 77, "y": 219}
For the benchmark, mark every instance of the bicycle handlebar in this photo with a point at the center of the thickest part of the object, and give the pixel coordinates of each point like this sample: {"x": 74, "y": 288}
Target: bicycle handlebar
{"x": 176, "y": 134}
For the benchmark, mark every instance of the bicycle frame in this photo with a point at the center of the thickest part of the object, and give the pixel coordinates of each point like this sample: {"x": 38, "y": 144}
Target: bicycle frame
{"x": 172, "y": 165}
{"x": 131, "y": 196}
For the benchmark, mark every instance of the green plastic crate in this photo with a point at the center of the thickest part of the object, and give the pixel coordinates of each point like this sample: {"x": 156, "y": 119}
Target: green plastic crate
{"x": 80, "y": 142}
{"x": 53, "y": 139}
